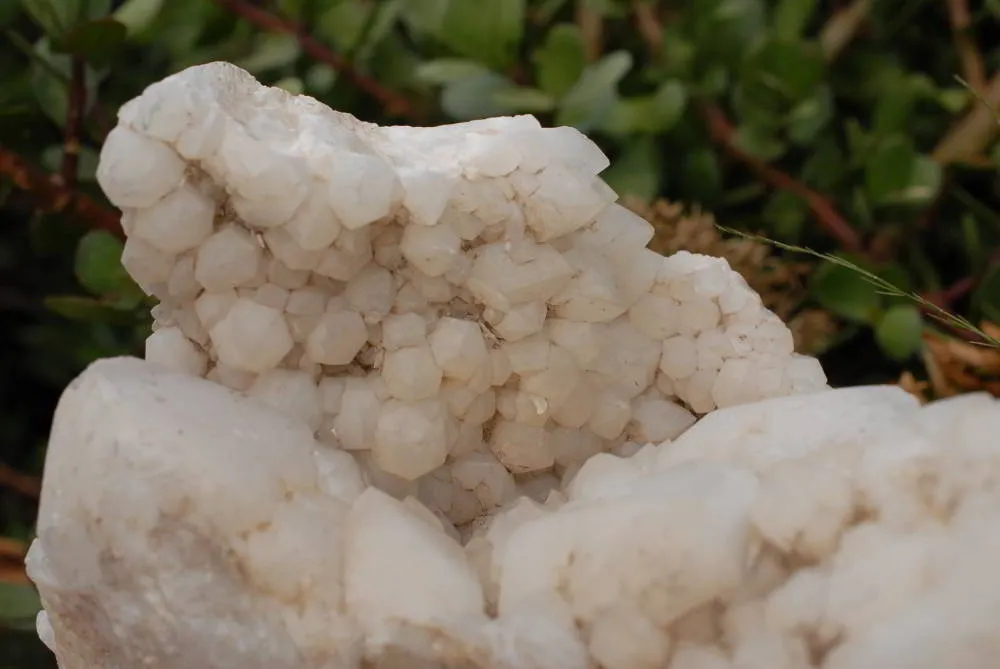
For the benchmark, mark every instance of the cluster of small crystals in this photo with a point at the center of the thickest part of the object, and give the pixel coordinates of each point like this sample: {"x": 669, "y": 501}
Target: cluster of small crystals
{"x": 465, "y": 308}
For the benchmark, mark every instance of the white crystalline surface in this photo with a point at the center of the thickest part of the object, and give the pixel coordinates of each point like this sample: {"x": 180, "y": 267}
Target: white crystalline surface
{"x": 423, "y": 294}
{"x": 183, "y": 524}
{"x": 421, "y": 397}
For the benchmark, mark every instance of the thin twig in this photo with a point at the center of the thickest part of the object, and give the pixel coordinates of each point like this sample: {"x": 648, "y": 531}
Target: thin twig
{"x": 12, "y": 548}
{"x": 29, "y": 486}
{"x": 395, "y": 104}
{"x": 723, "y": 133}
{"x": 842, "y": 27}
{"x": 975, "y": 131}
{"x": 591, "y": 25}
{"x": 12, "y": 554}
{"x": 52, "y": 197}
{"x": 649, "y": 25}
{"x": 74, "y": 123}
{"x": 973, "y": 68}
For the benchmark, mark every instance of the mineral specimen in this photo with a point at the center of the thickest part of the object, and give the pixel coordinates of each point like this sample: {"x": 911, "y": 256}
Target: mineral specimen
{"x": 422, "y": 397}
{"x": 184, "y": 524}
{"x": 419, "y": 295}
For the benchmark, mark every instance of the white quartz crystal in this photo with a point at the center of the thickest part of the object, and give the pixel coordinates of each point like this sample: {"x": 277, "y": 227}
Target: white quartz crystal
{"x": 422, "y": 397}
{"x": 183, "y": 524}
{"x": 483, "y": 266}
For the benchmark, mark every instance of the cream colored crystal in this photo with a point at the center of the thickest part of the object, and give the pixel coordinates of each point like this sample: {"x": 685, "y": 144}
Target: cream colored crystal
{"x": 839, "y": 529}
{"x": 337, "y": 337}
{"x": 455, "y": 335}
{"x": 251, "y": 337}
{"x": 179, "y": 222}
{"x": 483, "y": 265}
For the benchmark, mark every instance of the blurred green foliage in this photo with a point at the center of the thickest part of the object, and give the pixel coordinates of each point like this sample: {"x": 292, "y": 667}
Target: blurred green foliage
{"x": 855, "y": 104}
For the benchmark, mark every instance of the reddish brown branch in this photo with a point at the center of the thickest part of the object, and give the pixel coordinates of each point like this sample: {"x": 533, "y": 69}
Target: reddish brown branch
{"x": 52, "y": 197}
{"x": 394, "y": 103}
{"x": 723, "y": 133}
{"x": 973, "y": 68}
{"x": 648, "y": 23}
{"x": 74, "y": 123}
{"x": 591, "y": 25}
{"x": 12, "y": 549}
{"x": 29, "y": 486}
{"x": 12, "y": 554}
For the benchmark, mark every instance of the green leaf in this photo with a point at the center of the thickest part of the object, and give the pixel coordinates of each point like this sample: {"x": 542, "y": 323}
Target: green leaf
{"x": 592, "y": 98}
{"x": 713, "y": 83}
{"x": 98, "y": 264}
{"x": 344, "y": 24}
{"x": 272, "y": 51}
{"x": 547, "y": 9}
{"x": 791, "y": 17}
{"x": 606, "y": 8}
{"x": 94, "y": 9}
{"x": 293, "y": 85}
{"x": 85, "y": 309}
{"x": 320, "y": 79}
{"x": 647, "y": 114}
{"x": 702, "y": 177}
{"x": 474, "y": 97}
{"x": 19, "y": 605}
{"x": 636, "y": 172}
{"x": 561, "y": 59}
{"x": 51, "y": 90}
{"x": 845, "y": 292}
{"x": 448, "y": 70}
{"x": 524, "y": 100}
{"x": 678, "y": 52}
{"x": 490, "y": 32}
{"x": 898, "y": 332}
{"x": 723, "y": 30}
{"x": 893, "y": 110}
{"x": 138, "y": 15}
{"x": 759, "y": 142}
{"x": 986, "y": 297}
{"x": 669, "y": 104}
{"x": 53, "y": 16}
{"x": 630, "y": 116}
{"x": 895, "y": 274}
{"x": 810, "y": 117}
{"x": 786, "y": 214}
{"x": 86, "y": 167}
{"x": 778, "y": 75}
{"x": 59, "y": 17}
{"x": 385, "y": 16}
{"x": 896, "y": 174}
{"x": 97, "y": 42}
{"x": 394, "y": 63}
{"x": 425, "y": 17}
{"x": 8, "y": 12}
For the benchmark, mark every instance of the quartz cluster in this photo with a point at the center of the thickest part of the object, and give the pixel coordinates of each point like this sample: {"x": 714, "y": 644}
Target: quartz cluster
{"x": 421, "y": 398}
{"x": 465, "y": 309}
{"x": 184, "y": 525}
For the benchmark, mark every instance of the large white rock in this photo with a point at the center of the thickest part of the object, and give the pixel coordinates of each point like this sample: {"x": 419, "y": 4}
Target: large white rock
{"x": 484, "y": 265}
{"x": 173, "y": 516}
{"x": 183, "y": 524}
{"x": 471, "y": 421}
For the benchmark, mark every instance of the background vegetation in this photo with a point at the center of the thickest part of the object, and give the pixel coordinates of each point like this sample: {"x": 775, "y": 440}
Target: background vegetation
{"x": 842, "y": 126}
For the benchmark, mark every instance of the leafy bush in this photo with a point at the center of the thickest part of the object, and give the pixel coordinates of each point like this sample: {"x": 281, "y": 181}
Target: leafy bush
{"x": 841, "y": 126}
